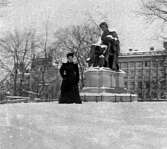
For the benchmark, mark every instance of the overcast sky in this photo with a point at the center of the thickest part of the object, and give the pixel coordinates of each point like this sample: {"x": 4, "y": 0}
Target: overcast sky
{"x": 120, "y": 14}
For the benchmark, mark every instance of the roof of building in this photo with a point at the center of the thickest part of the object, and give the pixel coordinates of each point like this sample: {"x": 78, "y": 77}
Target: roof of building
{"x": 144, "y": 53}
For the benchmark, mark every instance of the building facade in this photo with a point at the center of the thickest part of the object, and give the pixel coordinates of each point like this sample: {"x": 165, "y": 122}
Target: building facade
{"x": 45, "y": 80}
{"x": 146, "y": 73}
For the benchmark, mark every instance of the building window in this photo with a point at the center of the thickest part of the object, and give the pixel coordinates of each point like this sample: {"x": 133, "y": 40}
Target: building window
{"x": 132, "y": 85}
{"x": 126, "y": 84}
{"x": 154, "y": 63}
{"x": 161, "y": 63}
{"x": 139, "y": 73}
{"x": 126, "y": 77}
{"x": 147, "y": 64}
{"x": 161, "y": 73}
{"x": 139, "y": 64}
{"x": 132, "y": 74}
{"x": 124, "y": 65}
{"x": 131, "y": 64}
{"x": 154, "y": 73}
{"x": 147, "y": 73}
{"x": 139, "y": 85}
{"x": 147, "y": 84}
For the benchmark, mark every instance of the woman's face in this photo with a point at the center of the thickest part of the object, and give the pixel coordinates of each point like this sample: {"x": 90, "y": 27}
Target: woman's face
{"x": 70, "y": 58}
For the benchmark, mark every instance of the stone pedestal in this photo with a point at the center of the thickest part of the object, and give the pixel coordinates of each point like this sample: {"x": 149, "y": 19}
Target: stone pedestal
{"x": 103, "y": 84}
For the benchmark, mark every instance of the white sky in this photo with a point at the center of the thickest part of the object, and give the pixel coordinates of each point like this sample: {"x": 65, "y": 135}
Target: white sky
{"x": 132, "y": 30}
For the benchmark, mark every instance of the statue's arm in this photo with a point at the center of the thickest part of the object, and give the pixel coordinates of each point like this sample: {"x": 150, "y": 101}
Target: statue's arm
{"x": 107, "y": 38}
{"x": 114, "y": 34}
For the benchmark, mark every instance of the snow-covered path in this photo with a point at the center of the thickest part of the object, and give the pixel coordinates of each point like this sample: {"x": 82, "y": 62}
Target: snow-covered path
{"x": 87, "y": 126}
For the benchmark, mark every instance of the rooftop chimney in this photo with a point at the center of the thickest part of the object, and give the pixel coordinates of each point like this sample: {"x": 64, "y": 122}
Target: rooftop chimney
{"x": 165, "y": 45}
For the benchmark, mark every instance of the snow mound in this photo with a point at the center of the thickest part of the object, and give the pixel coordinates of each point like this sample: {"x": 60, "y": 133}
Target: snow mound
{"x": 85, "y": 126}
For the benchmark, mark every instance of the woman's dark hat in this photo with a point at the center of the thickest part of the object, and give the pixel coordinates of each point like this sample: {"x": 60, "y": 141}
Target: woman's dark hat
{"x": 70, "y": 54}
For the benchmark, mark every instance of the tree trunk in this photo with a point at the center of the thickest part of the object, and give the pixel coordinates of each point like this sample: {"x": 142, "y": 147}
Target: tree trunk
{"x": 21, "y": 84}
{"x": 15, "y": 82}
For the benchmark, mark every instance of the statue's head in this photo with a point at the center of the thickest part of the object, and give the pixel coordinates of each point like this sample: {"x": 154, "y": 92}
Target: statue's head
{"x": 103, "y": 26}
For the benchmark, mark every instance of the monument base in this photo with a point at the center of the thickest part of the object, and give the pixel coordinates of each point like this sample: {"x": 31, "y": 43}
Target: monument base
{"x": 110, "y": 97}
{"x": 103, "y": 84}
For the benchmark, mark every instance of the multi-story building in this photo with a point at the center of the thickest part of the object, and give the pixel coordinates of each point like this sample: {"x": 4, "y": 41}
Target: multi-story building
{"x": 44, "y": 78}
{"x": 146, "y": 73}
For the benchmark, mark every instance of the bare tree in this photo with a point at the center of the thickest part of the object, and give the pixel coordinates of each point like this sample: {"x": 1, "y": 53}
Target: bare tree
{"x": 44, "y": 39}
{"x": 154, "y": 10}
{"x": 45, "y": 47}
{"x": 77, "y": 39}
{"x": 17, "y": 49}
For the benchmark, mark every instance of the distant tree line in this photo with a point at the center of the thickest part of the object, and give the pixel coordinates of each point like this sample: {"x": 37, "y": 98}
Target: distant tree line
{"x": 19, "y": 47}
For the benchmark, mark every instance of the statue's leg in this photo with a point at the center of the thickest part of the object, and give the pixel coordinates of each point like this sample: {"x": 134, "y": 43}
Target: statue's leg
{"x": 91, "y": 58}
{"x": 101, "y": 62}
{"x": 95, "y": 63}
{"x": 116, "y": 62}
{"x": 106, "y": 59}
{"x": 111, "y": 61}
{"x": 109, "y": 58}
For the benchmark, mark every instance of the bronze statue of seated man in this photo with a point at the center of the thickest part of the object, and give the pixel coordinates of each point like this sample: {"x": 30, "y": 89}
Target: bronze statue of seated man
{"x": 105, "y": 53}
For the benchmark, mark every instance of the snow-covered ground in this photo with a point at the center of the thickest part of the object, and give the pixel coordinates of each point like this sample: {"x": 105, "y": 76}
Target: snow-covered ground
{"x": 88, "y": 126}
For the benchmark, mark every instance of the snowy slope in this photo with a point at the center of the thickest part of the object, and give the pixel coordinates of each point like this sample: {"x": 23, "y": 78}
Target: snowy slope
{"x": 86, "y": 126}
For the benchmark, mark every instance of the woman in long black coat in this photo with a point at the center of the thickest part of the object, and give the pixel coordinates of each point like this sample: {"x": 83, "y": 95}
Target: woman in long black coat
{"x": 69, "y": 87}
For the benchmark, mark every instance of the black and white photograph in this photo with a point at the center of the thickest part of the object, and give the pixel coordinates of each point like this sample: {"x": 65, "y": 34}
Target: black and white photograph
{"x": 83, "y": 74}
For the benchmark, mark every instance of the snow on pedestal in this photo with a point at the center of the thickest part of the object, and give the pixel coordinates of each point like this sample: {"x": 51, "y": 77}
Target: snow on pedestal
{"x": 103, "y": 84}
